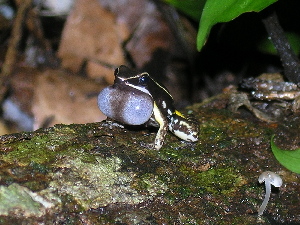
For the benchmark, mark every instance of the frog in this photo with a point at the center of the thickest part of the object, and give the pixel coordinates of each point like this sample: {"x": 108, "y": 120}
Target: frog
{"x": 266, "y": 89}
{"x": 137, "y": 99}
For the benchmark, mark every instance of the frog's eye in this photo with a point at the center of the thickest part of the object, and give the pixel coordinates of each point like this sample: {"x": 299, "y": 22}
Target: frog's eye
{"x": 143, "y": 80}
{"x": 116, "y": 71}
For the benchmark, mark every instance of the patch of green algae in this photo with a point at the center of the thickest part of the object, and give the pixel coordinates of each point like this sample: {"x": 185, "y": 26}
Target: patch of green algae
{"x": 94, "y": 185}
{"x": 42, "y": 147}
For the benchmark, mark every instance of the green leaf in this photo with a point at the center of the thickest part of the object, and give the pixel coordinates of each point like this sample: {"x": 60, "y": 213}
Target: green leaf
{"x": 216, "y": 11}
{"x": 211, "y": 12}
{"x": 288, "y": 158}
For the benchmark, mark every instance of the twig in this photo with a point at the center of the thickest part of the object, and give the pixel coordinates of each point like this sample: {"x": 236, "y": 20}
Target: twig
{"x": 289, "y": 59}
{"x": 11, "y": 54}
{"x": 34, "y": 25}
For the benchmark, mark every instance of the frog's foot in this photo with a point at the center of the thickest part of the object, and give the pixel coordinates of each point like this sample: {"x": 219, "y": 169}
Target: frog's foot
{"x": 111, "y": 123}
{"x": 241, "y": 99}
{"x": 158, "y": 145}
{"x": 159, "y": 139}
{"x": 155, "y": 146}
{"x": 149, "y": 145}
{"x": 296, "y": 104}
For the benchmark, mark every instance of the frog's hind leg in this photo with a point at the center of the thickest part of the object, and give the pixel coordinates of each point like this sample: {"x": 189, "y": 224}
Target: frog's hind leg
{"x": 185, "y": 128}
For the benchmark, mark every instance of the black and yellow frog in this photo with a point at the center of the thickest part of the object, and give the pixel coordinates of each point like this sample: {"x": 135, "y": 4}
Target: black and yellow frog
{"x": 136, "y": 98}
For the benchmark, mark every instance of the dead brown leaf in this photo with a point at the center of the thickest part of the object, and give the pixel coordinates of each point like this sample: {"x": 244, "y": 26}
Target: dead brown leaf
{"x": 91, "y": 33}
{"x": 60, "y": 97}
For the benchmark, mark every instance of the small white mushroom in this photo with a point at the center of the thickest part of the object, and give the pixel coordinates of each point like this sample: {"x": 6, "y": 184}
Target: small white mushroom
{"x": 269, "y": 178}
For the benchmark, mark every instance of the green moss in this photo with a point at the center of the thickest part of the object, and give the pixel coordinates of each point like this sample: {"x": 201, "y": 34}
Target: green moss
{"x": 46, "y": 147}
{"x": 39, "y": 168}
{"x": 217, "y": 181}
{"x": 39, "y": 149}
{"x": 149, "y": 183}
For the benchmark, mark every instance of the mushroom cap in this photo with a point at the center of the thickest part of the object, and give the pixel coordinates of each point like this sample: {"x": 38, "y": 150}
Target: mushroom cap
{"x": 272, "y": 177}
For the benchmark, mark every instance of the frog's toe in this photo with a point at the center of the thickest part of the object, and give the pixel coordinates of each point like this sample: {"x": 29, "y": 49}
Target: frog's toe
{"x": 149, "y": 146}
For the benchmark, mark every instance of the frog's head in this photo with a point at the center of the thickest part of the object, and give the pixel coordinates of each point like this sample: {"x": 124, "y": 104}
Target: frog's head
{"x": 127, "y": 100}
{"x": 127, "y": 77}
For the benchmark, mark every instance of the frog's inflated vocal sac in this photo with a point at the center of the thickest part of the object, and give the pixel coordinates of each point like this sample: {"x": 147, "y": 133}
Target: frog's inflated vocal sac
{"x": 135, "y": 99}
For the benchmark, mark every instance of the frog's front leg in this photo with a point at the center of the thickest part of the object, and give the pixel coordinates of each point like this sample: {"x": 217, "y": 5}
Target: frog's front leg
{"x": 163, "y": 127}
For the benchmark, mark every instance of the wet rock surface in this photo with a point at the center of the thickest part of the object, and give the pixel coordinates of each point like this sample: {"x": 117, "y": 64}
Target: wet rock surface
{"x": 102, "y": 173}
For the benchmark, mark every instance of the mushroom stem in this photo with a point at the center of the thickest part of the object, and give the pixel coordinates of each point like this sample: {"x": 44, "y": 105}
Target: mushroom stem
{"x": 269, "y": 178}
{"x": 267, "y": 197}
